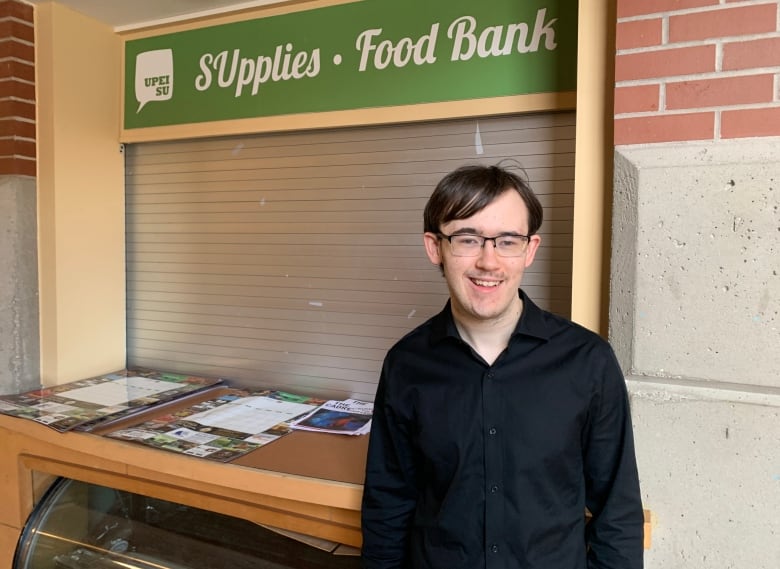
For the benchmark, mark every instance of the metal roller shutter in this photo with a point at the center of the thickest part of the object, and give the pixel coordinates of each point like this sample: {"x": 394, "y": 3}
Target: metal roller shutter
{"x": 295, "y": 260}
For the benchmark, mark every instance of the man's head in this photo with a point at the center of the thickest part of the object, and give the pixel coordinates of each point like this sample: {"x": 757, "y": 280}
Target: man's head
{"x": 480, "y": 229}
{"x": 469, "y": 189}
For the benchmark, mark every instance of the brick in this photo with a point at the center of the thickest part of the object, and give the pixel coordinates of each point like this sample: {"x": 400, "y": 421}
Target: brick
{"x": 742, "y": 20}
{"x": 16, "y": 147}
{"x": 12, "y": 48}
{"x": 16, "y": 29}
{"x": 629, "y": 8}
{"x": 751, "y": 54}
{"x": 14, "y": 127}
{"x": 720, "y": 92}
{"x": 665, "y": 63}
{"x": 13, "y": 108}
{"x": 746, "y": 123}
{"x": 17, "y": 69}
{"x": 665, "y": 128}
{"x": 16, "y": 9}
{"x": 639, "y": 99}
{"x": 17, "y": 89}
{"x": 17, "y": 166}
{"x": 639, "y": 33}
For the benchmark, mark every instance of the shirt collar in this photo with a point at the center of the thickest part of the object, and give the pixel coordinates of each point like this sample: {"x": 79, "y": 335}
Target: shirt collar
{"x": 532, "y": 322}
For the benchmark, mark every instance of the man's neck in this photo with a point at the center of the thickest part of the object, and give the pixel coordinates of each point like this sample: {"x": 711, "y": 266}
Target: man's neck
{"x": 489, "y": 337}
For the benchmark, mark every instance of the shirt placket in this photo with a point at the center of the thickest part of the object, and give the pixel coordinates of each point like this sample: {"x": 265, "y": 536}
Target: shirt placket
{"x": 494, "y": 482}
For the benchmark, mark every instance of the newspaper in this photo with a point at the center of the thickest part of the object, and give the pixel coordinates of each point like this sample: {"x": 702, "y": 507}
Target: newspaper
{"x": 347, "y": 417}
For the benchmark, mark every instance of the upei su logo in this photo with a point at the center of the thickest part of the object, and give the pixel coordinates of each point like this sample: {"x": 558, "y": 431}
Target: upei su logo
{"x": 153, "y": 76}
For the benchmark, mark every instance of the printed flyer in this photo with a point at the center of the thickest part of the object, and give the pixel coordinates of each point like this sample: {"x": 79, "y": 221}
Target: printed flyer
{"x": 225, "y": 427}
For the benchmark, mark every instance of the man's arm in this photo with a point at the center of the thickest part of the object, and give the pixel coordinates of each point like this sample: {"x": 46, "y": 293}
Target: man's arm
{"x": 615, "y": 532}
{"x": 389, "y": 492}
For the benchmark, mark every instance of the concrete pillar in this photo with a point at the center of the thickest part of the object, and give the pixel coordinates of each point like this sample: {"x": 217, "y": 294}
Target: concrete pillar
{"x": 695, "y": 321}
{"x": 19, "y": 343}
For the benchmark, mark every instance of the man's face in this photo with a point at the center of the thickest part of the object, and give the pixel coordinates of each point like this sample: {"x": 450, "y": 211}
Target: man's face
{"x": 484, "y": 288}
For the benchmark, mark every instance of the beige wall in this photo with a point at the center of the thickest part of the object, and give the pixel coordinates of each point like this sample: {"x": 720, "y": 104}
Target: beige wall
{"x": 80, "y": 196}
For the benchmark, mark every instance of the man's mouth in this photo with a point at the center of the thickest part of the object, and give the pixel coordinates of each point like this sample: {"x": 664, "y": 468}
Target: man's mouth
{"x": 479, "y": 282}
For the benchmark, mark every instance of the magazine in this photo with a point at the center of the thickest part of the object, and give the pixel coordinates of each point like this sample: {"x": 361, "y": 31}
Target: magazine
{"x": 222, "y": 428}
{"x": 87, "y": 403}
{"x": 347, "y": 417}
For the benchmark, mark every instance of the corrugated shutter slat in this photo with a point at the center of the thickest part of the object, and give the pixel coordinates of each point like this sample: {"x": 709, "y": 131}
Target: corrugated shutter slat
{"x": 295, "y": 260}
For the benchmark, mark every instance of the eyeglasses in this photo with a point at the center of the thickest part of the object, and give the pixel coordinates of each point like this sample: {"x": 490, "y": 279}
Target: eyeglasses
{"x": 469, "y": 245}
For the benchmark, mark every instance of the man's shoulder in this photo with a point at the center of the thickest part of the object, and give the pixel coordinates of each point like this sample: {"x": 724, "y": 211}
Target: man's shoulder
{"x": 417, "y": 338}
{"x": 560, "y": 329}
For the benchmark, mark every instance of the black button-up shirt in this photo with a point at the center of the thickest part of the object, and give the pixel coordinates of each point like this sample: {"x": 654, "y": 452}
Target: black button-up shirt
{"x": 475, "y": 466}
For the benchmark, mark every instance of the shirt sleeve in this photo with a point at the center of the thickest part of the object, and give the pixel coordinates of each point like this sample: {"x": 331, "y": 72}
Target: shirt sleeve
{"x": 615, "y": 532}
{"x": 390, "y": 490}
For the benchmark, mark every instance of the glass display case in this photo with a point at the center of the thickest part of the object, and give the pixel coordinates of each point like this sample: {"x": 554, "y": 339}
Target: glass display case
{"x": 84, "y": 526}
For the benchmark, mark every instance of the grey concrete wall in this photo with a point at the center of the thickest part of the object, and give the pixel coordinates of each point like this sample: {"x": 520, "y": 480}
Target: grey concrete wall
{"x": 695, "y": 296}
{"x": 19, "y": 339}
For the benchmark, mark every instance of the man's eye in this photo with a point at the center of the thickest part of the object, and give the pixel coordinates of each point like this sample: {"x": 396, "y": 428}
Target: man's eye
{"x": 467, "y": 240}
{"x": 508, "y": 242}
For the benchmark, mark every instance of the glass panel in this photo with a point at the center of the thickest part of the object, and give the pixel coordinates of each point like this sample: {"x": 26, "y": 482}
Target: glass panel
{"x": 83, "y": 526}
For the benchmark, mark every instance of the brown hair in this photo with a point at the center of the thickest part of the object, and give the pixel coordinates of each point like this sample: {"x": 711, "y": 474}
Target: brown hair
{"x": 469, "y": 189}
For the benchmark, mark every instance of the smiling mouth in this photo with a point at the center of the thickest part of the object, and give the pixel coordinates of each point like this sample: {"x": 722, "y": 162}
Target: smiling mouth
{"x": 485, "y": 283}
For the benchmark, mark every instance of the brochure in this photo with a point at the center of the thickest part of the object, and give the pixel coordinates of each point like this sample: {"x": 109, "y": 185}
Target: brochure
{"x": 222, "y": 428}
{"x": 86, "y": 403}
{"x": 347, "y": 417}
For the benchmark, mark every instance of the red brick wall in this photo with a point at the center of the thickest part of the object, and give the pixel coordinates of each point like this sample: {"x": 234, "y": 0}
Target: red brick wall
{"x": 696, "y": 70}
{"x": 17, "y": 89}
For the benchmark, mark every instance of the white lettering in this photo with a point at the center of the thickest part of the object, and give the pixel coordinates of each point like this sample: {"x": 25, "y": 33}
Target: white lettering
{"x": 425, "y": 49}
{"x": 298, "y": 66}
{"x": 314, "y": 64}
{"x": 365, "y": 46}
{"x": 262, "y": 72}
{"x": 203, "y": 81}
{"x": 489, "y": 42}
{"x": 225, "y": 79}
{"x": 522, "y": 36}
{"x": 462, "y": 30}
{"x": 499, "y": 40}
{"x": 245, "y": 75}
{"x": 543, "y": 29}
{"x": 236, "y": 72}
{"x": 384, "y": 53}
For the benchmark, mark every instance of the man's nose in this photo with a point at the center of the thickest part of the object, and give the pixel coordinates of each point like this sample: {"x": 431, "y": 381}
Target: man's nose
{"x": 488, "y": 254}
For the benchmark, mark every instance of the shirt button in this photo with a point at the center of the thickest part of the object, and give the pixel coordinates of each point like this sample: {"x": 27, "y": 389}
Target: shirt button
{"x": 494, "y": 548}
{"x": 494, "y": 489}
{"x": 492, "y": 431}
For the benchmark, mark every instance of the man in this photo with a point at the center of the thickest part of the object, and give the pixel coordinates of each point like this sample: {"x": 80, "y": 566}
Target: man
{"x": 496, "y": 424}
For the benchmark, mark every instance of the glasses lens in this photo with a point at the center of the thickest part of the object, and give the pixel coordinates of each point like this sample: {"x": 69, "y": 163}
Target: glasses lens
{"x": 471, "y": 245}
{"x": 511, "y": 245}
{"x": 466, "y": 245}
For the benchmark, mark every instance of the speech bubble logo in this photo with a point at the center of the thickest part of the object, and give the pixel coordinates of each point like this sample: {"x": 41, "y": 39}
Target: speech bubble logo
{"x": 153, "y": 76}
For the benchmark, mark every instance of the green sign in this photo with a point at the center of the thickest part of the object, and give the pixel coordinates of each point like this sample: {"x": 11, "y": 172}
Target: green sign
{"x": 364, "y": 54}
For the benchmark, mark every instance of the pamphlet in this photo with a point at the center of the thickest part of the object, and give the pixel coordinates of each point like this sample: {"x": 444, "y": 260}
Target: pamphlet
{"x": 347, "y": 417}
{"x": 87, "y": 403}
{"x": 222, "y": 428}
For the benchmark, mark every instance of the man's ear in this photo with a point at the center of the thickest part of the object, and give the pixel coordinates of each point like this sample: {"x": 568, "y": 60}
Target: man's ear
{"x": 432, "y": 247}
{"x": 530, "y": 252}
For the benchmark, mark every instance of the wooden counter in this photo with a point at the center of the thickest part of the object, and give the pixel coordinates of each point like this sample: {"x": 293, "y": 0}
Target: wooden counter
{"x": 309, "y": 483}
{"x": 317, "y": 506}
